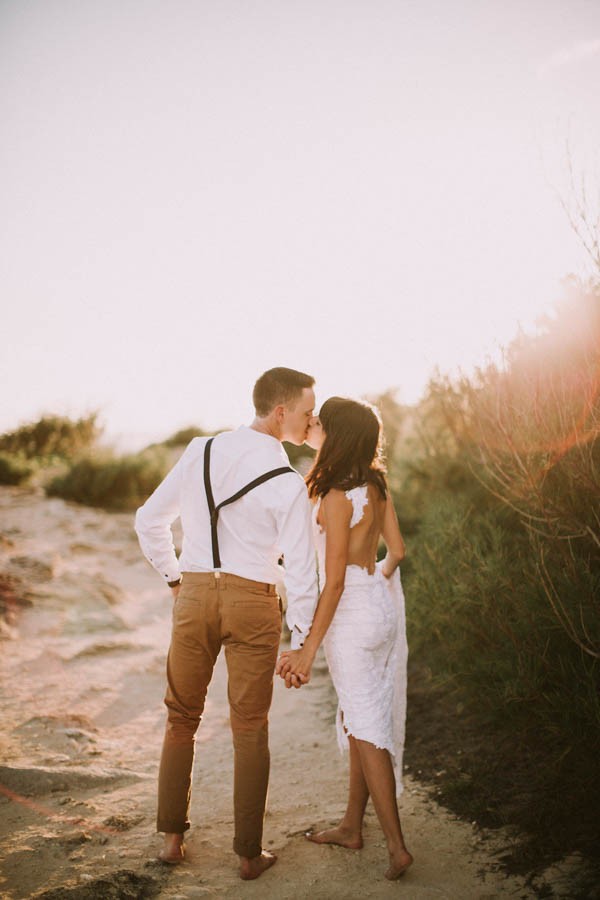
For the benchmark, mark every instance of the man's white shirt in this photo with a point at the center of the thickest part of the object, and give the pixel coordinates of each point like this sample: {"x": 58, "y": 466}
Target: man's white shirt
{"x": 269, "y": 522}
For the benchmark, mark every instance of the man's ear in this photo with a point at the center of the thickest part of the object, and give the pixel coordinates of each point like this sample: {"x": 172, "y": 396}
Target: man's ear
{"x": 279, "y": 414}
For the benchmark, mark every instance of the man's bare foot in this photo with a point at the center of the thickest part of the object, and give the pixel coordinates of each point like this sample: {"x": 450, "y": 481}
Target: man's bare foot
{"x": 342, "y": 836}
{"x": 173, "y": 851}
{"x": 253, "y": 868}
{"x": 399, "y": 863}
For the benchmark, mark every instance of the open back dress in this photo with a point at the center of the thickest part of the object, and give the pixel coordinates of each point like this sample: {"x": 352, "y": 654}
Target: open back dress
{"x": 366, "y": 649}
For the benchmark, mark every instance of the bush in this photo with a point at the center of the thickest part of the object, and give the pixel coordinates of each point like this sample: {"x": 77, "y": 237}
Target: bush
{"x": 14, "y": 469}
{"x": 182, "y": 437}
{"x": 118, "y": 483}
{"x": 52, "y": 436}
{"x": 500, "y": 482}
{"x": 300, "y": 457}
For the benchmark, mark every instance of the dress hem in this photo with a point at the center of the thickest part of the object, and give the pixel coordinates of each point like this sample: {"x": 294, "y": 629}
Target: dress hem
{"x": 344, "y": 732}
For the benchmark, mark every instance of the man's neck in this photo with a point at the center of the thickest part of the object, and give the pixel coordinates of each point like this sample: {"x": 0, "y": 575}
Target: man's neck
{"x": 264, "y": 426}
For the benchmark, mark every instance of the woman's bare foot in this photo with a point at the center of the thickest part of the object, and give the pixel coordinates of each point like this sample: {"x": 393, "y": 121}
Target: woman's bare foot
{"x": 173, "y": 851}
{"x": 253, "y": 868}
{"x": 399, "y": 863}
{"x": 342, "y": 836}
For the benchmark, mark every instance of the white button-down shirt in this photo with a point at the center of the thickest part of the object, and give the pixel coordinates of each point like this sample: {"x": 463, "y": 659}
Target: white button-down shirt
{"x": 269, "y": 522}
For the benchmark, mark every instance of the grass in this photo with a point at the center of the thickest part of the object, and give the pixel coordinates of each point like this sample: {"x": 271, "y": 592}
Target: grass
{"x": 499, "y": 485}
{"x": 14, "y": 469}
{"x": 52, "y": 436}
{"x": 112, "y": 482}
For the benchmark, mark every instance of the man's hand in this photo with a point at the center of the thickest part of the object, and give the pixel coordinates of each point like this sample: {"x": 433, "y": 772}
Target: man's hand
{"x": 294, "y": 666}
{"x": 175, "y": 591}
{"x": 295, "y": 681}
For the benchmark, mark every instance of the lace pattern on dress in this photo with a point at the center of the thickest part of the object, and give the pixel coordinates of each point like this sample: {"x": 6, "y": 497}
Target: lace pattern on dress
{"x": 359, "y": 498}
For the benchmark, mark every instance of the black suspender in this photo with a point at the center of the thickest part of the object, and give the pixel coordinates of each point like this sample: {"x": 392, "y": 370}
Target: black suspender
{"x": 214, "y": 510}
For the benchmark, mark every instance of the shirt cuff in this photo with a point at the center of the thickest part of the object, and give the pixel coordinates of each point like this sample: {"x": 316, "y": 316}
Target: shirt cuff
{"x": 171, "y": 575}
{"x": 297, "y": 639}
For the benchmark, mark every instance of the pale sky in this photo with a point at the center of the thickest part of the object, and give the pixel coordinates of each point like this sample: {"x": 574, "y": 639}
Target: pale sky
{"x": 193, "y": 192}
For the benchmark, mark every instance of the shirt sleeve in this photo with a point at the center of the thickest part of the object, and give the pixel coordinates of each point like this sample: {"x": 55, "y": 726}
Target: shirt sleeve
{"x": 153, "y": 522}
{"x": 295, "y": 541}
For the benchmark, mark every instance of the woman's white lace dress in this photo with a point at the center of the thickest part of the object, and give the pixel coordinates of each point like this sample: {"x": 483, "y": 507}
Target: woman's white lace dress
{"x": 366, "y": 650}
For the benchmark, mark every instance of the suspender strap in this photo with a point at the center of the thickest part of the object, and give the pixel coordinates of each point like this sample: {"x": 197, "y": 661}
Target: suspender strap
{"x": 215, "y": 510}
{"x": 214, "y": 515}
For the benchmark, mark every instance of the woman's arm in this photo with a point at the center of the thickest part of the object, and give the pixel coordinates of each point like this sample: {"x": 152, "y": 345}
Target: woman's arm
{"x": 393, "y": 539}
{"x": 337, "y": 513}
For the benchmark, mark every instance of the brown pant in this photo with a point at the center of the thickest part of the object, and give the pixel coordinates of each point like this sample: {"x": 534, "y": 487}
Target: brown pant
{"x": 245, "y": 616}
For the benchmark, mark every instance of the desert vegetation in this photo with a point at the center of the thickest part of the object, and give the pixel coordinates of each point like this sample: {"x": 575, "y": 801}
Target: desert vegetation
{"x": 66, "y": 457}
{"x": 496, "y": 478}
{"x": 49, "y": 441}
{"x": 111, "y": 482}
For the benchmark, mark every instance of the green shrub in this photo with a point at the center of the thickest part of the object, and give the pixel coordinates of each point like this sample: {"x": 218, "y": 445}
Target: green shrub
{"x": 499, "y": 485}
{"x": 119, "y": 483}
{"x": 301, "y": 457}
{"x": 52, "y": 436}
{"x": 182, "y": 437}
{"x": 14, "y": 469}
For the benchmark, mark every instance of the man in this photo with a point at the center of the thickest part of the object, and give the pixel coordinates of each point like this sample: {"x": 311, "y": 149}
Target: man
{"x": 224, "y": 591}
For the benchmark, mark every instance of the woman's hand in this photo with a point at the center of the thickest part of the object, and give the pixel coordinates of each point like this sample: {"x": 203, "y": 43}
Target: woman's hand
{"x": 390, "y": 570}
{"x": 294, "y": 666}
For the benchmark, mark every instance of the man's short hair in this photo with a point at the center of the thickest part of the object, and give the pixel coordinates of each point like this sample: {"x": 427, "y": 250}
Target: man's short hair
{"x": 279, "y": 386}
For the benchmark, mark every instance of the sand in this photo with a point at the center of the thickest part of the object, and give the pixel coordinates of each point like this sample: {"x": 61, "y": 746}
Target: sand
{"x": 82, "y": 667}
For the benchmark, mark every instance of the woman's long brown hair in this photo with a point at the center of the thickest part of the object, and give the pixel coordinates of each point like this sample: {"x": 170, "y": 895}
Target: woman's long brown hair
{"x": 352, "y": 452}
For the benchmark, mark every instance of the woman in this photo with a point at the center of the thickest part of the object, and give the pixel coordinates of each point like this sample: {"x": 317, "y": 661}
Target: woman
{"x": 359, "y": 617}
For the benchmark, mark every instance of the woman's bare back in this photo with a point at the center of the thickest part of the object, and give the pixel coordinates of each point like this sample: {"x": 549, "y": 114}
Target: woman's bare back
{"x": 365, "y": 535}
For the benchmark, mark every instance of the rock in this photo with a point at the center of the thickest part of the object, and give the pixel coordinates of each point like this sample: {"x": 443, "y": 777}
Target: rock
{"x": 72, "y": 839}
{"x": 110, "y": 592}
{"x": 36, "y": 781}
{"x": 122, "y": 823}
{"x": 99, "y": 649}
{"x": 76, "y": 734}
{"x": 122, "y": 885}
{"x": 6, "y": 540}
{"x": 67, "y": 736}
{"x": 81, "y": 547}
{"x": 12, "y": 597}
{"x": 31, "y": 568}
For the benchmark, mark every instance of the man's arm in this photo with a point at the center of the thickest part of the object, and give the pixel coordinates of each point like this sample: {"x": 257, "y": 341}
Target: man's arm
{"x": 295, "y": 542}
{"x": 153, "y": 522}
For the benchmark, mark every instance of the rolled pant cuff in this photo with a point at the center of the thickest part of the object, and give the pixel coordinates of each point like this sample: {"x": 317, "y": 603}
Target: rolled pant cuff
{"x": 243, "y": 848}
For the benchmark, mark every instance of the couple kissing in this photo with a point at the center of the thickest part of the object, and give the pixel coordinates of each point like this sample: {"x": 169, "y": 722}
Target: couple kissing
{"x": 243, "y": 509}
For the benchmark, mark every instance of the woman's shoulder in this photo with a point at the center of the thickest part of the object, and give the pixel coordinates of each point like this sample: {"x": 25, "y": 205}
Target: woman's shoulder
{"x": 336, "y": 502}
{"x": 335, "y": 495}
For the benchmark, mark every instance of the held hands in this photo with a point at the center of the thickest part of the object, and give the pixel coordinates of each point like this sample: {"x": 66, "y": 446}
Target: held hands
{"x": 294, "y": 666}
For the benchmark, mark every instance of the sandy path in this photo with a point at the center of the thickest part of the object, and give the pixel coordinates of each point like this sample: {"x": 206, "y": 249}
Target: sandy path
{"x": 82, "y": 684}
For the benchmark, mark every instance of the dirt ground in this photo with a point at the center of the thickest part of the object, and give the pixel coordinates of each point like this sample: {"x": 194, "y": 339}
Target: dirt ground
{"x": 84, "y": 639}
